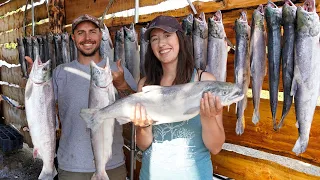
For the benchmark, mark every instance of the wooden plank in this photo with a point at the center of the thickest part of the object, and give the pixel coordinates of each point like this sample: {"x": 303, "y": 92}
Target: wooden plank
{"x": 18, "y": 118}
{"x": 96, "y": 8}
{"x": 13, "y": 5}
{"x": 11, "y": 56}
{"x": 13, "y": 93}
{"x": 263, "y": 137}
{"x": 13, "y": 76}
{"x": 240, "y": 167}
{"x": 12, "y": 36}
{"x": 15, "y": 20}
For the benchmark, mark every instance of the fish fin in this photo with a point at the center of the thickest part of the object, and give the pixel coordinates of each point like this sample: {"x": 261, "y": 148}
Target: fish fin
{"x": 149, "y": 88}
{"x": 240, "y": 125}
{"x": 123, "y": 120}
{"x": 192, "y": 111}
{"x": 294, "y": 87}
{"x": 45, "y": 174}
{"x": 29, "y": 91}
{"x": 36, "y": 153}
{"x": 88, "y": 116}
{"x": 300, "y": 146}
{"x": 102, "y": 175}
{"x": 255, "y": 117}
{"x": 297, "y": 124}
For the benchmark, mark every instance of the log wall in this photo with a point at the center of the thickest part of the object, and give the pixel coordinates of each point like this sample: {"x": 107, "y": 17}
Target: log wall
{"x": 261, "y": 137}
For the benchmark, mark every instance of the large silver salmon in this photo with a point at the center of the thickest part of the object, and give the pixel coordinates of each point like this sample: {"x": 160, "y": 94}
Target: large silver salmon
{"x": 119, "y": 52}
{"x": 22, "y": 60}
{"x": 257, "y": 59}
{"x": 200, "y": 41}
{"x": 106, "y": 46}
{"x": 65, "y": 47}
{"x": 187, "y": 26}
{"x": 101, "y": 94}
{"x": 273, "y": 18}
{"x": 165, "y": 104}
{"x": 306, "y": 84}
{"x": 40, "y": 111}
{"x": 143, "y": 50}
{"x": 217, "y": 48}
{"x": 289, "y": 20}
{"x": 241, "y": 67}
{"x": 131, "y": 51}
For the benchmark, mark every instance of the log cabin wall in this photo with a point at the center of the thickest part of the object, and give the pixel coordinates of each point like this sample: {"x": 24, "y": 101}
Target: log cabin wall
{"x": 260, "y": 137}
{"x": 12, "y": 20}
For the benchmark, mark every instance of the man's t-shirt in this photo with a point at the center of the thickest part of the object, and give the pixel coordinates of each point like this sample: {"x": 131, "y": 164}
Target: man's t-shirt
{"x": 71, "y": 87}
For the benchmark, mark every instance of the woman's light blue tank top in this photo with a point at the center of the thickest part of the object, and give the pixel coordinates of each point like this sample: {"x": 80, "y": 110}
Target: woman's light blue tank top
{"x": 177, "y": 152}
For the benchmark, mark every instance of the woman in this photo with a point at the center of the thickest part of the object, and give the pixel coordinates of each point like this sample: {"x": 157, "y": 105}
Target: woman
{"x": 176, "y": 150}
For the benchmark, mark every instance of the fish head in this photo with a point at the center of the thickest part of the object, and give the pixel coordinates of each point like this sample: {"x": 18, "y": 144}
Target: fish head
{"x": 50, "y": 37}
{"x": 20, "y": 41}
{"x": 289, "y": 12}
{"x": 129, "y": 33}
{"x": 105, "y": 33}
{"x": 40, "y": 40}
{"x": 41, "y": 72}
{"x": 100, "y": 77}
{"x": 227, "y": 92}
{"x": 273, "y": 14}
{"x": 57, "y": 37}
{"x": 65, "y": 36}
{"x": 120, "y": 35}
{"x": 187, "y": 24}
{"x": 216, "y": 26}
{"x": 200, "y": 26}
{"x": 258, "y": 17}
{"x": 241, "y": 25}
{"x": 34, "y": 40}
{"x": 308, "y": 19}
{"x": 29, "y": 40}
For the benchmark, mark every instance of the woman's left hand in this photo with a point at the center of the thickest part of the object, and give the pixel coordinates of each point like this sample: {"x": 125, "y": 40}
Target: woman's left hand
{"x": 210, "y": 106}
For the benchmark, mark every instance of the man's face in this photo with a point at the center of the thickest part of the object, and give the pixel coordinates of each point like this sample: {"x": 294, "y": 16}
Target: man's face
{"x": 87, "y": 37}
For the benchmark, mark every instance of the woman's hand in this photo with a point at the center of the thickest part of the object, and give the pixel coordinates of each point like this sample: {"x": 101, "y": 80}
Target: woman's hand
{"x": 139, "y": 116}
{"x": 210, "y": 106}
{"x": 211, "y": 120}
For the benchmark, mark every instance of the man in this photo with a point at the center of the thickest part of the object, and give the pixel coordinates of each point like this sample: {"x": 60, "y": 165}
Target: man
{"x": 71, "y": 88}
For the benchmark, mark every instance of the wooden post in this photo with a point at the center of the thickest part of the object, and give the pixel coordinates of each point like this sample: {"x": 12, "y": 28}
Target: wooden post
{"x": 56, "y": 15}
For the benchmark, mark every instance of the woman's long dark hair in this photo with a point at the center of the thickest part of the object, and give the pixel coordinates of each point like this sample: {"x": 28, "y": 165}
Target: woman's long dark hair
{"x": 185, "y": 66}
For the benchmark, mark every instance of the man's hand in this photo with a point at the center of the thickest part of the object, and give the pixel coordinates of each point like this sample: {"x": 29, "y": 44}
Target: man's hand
{"x": 119, "y": 82}
{"x": 30, "y": 63}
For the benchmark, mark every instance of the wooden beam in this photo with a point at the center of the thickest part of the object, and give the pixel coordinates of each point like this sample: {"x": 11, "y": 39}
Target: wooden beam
{"x": 263, "y": 137}
{"x": 13, "y": 76}
{"x": 11, "y": 56}
{"x": 15, "y": 20}
{"x": 96, "y": 8}
{"x": 11, "y": 36}
{"x": 14, "y": 93}
{"x": 242, "y": 167}
{"x": 13, "y": 5}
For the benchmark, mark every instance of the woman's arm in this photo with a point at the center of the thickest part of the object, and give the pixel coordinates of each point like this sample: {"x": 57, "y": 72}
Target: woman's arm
{"x": 143, "y": 123}
{"x": 213, "y": 134}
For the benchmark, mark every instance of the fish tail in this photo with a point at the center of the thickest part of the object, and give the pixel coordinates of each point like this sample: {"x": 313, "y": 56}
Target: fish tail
{"x": 100, "y": 176}
{"x": 47, "y": 174}
{"x": 300, "y": 146}
{"x": 284, "y": 114}
{"x": 88, "y": 115}
{"x": 255, "y": 117}
{"x": 240, "y": 125}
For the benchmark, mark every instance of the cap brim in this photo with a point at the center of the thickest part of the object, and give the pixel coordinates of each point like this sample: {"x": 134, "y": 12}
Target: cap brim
{"x": 165, "y": 28}
{"x": 76, "y": 24}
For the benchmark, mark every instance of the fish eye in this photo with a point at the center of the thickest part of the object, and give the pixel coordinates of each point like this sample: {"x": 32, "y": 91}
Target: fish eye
{"x": 224, "y": 92}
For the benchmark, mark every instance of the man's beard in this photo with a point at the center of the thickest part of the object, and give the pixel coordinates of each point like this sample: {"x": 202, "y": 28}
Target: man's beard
{"x": 89, "y": 54}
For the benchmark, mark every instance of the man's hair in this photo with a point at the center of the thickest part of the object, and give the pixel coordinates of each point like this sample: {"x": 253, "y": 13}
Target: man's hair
{"x": 185, "y": 64}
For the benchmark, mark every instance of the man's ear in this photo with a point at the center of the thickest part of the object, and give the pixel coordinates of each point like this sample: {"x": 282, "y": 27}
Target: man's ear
{"x": 72, "y": 36}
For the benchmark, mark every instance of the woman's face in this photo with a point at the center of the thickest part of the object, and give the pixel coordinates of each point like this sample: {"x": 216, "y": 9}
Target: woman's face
{"x": 164, "y": 45}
